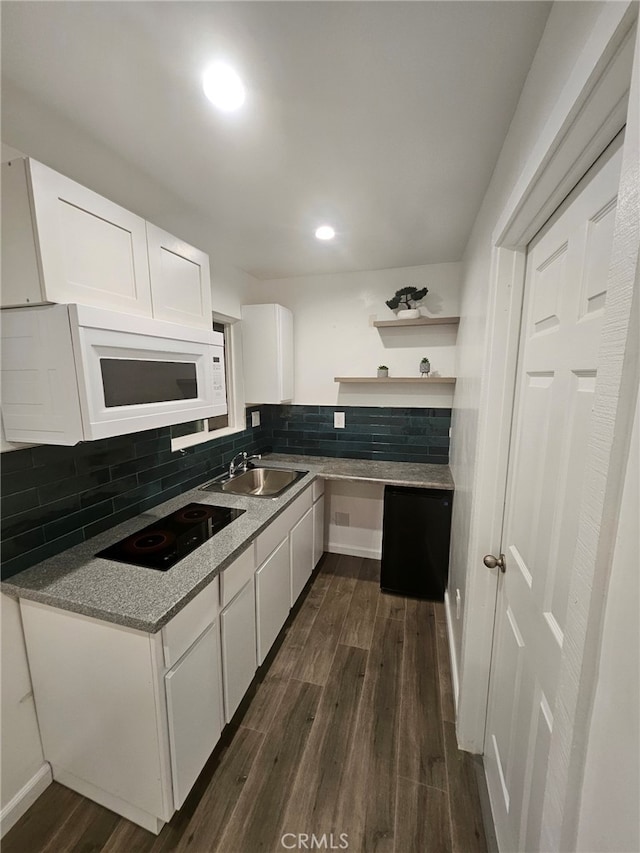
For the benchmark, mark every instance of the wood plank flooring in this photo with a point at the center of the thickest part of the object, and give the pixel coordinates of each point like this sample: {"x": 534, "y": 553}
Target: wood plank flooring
{"x": 350, "y": 735}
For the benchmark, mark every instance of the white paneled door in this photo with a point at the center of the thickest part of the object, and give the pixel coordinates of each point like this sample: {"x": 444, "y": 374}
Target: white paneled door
{"x": 563, "y": 309}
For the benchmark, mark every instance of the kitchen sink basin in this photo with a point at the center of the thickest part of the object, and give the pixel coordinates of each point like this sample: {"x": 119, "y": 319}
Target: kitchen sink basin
{"x": 258, "y": 482}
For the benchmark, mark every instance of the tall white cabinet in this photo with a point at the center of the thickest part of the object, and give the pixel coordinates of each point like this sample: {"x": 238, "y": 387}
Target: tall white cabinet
{"x": 267, "y": 353}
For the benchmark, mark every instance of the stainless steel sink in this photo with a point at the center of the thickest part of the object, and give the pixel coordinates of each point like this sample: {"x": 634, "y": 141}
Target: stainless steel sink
{"x": 258, "y": 482}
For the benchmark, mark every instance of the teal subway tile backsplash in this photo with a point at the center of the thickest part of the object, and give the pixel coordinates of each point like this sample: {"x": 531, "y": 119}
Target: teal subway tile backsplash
{"x": 370, "y": 432}
{"x": 56, "y": 497}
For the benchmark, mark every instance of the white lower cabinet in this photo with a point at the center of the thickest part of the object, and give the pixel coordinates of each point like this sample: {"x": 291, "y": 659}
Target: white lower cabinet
{"x": 301, "y": 539}
{"x": 129, "y": 718}
{"x": 100, "y": 700}
{"x": 238, "y": 626}
{"x": 194, "y": 708}
{"x": 273, "y": 585}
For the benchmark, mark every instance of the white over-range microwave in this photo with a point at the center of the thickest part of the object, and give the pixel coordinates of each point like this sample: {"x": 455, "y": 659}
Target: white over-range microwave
{"x": 74, "y": 373}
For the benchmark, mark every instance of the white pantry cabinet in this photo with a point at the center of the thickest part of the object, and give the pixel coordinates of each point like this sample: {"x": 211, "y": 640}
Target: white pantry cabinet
{"x": 267, "y": 353}
{"x": 301, "y": 539}
{"x": 180, "y": 280}
{"x": 64, "y": 243}
{"x": 238, "y": 625}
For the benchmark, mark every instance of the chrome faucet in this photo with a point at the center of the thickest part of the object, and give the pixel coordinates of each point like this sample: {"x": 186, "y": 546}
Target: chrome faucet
{"x": 235, "y": 466}
{"x": 243, "y": 464}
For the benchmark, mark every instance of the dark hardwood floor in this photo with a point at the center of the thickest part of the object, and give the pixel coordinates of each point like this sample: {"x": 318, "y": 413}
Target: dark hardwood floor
{"x": 349, "y": 735}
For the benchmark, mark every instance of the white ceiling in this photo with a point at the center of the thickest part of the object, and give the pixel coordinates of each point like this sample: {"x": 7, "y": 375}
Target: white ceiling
{"x": 384, "y": 119}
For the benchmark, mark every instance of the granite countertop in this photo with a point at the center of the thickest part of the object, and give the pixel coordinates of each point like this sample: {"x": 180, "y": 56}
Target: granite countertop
{"x": 146, "y": 599}
{"x": 420, "y": 475}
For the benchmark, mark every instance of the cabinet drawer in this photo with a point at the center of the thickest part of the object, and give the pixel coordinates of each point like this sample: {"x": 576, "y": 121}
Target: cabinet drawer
{"x": 235, "y": 576}
{"x": 189, "y": 623}
{"x": 317, "y": 489}
{"x": 278, "y": 529}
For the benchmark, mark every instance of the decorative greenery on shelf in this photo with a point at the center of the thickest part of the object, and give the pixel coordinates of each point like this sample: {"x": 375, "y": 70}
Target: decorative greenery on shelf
{"x": 382, "y": 367}
{"x": 407, "y": 297}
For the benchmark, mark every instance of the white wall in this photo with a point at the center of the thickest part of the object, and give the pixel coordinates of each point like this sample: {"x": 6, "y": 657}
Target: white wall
{"x": 23, "y": 763}
{"x": 609, "y": 820}
{"x": 334, "y": 335}
{"x": 569, "y": 44}
{"x": 353, "y": 518}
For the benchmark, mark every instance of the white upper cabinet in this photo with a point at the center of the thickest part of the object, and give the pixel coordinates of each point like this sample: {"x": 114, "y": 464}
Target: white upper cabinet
{"x": 180, "y": 280}
{"x": 267, "y": 353}
{"x": 82, "y": 247}
{"x": 64, "y": 243}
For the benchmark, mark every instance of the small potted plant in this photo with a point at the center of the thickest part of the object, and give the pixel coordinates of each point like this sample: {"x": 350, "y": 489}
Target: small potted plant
{"x": 406, "y": 299}
{"x": 425, "y": 367}
{"x": 383, "y": 371}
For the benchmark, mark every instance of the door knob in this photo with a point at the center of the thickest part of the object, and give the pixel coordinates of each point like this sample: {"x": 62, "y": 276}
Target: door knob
{"x": 491, "y": 562}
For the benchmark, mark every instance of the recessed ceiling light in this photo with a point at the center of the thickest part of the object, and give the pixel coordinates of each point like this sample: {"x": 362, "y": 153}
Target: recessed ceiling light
{"x": 223, "y": 87}
{"x": 325, "y": 232}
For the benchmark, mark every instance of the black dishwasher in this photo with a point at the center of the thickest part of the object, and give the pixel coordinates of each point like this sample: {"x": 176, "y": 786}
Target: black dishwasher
{"x": 416, "y": 530}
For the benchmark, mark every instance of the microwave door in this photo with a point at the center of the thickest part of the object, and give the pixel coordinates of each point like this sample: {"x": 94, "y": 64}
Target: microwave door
{"x": 137, "y": 382}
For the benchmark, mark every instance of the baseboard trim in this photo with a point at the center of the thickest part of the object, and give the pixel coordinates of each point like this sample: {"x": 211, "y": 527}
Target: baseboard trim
{"x": 25, "y": 798}
{"x": 452, "y": 650}
{"x": 353, "y": 551}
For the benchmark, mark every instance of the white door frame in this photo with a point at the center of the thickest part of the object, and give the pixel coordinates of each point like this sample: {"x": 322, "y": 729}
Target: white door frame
{"x": 592, "y": 109}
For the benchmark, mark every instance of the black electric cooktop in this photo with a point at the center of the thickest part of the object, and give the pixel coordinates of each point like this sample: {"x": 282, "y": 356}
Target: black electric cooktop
{"x": 165, "y": 542}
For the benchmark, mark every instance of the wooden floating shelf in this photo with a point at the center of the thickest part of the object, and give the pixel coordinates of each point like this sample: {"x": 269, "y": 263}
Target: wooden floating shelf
{"x": 430, "y": 380}
{"x": 419, "y": 321}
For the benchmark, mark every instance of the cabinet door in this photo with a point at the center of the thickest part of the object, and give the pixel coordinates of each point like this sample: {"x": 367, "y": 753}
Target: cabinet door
{"x": 267, "y": 353}
{"x": 194, "y": 707}
{"x": 180, "y": 280}
{"x": 318, "y": 530}
{"x": 273, "y": 597}
{"x": 92, "y": 251}
{"x": 238, "y": 623}
{"x": 301, "y": 554}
